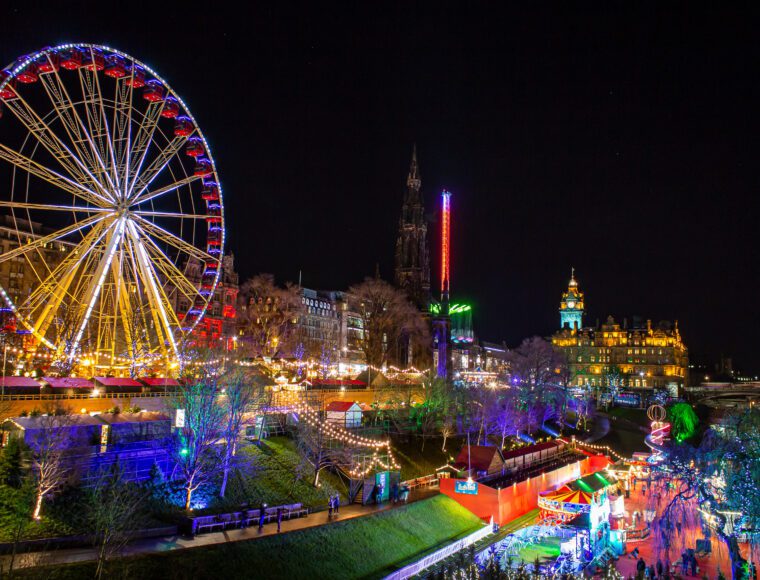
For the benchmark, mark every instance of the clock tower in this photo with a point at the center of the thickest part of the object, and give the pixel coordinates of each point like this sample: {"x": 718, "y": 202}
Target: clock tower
{"x": 571, "y": 306}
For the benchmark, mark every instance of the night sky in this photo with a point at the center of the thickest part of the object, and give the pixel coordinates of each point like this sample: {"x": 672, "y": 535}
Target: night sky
{"x": 620, "y": 139}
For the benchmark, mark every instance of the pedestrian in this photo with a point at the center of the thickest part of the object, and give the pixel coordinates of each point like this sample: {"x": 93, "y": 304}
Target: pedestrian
{"x": 651, "y": 571}
{"x": 279, "y": 518}
{"x": 678, "y": 527}
{"x": 394, "y": 492}
{"x": 336, "y": 504}
{"x": 262, "y": 516}
{"x": 659, "y": 568}
{"x": 329, "y": 508}
{"x": 641, "y": 566}
{"x": 693, "y": 565}
{"x": 379, "y": 497}
{"x": 684, "y": 564}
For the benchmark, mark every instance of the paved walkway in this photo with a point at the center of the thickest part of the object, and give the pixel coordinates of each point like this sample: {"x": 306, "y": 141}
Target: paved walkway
{"x": 164, "y": 544}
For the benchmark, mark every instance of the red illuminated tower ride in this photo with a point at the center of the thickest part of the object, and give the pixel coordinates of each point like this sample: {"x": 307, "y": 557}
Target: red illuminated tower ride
{"x": 441, "y": 323}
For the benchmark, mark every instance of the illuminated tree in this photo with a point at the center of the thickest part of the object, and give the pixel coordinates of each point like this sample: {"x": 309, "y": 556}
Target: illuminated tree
{"x": 683, "y": 421}
{"x": 719, "y": 475}
{"x": 387, "y": 317}
{"x": 537, "y": 378}
{"x": 268, "y": 315}
{"x": 195, "y": 451}
{"x": 242, "y": 394}
{"x": 49, "y": 469}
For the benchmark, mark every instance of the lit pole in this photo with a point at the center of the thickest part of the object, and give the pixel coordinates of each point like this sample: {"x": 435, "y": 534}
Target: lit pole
{"x": 5, "y": 358}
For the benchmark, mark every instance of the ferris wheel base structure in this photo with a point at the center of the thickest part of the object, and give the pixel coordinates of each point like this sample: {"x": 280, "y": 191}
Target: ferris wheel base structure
{"x": 112, "y": 198}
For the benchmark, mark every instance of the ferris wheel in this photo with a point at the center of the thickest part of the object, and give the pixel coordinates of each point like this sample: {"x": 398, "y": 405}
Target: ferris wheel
{"x": 112, "y": 204}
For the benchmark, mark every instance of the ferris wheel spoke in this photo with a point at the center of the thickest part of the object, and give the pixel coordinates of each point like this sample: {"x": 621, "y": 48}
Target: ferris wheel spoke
{"x": 74, "y": 166}
{"x": 143, "y": 138}
{"x": 151, "y": 284}
{"x": 98, "y": 123}
{"x": 96, "y": 282}
{"x": 44, "y": 240}
{"x": 173, "y": 274}
{"x": 149, "y": 195}
{"x": 156, "y": 166}
{"x": 122, "y": 127}
{"x": 70, "y": 119}
{"x": 56, "y": 286}
{"x": 173, "y": 240}
{"x": 33, "y": 168}
{"x": 190, "y": 216}
{"x": 46, "y": 207}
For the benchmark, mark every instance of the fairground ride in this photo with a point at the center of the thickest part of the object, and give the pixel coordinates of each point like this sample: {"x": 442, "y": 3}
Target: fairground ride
{"x": 106, "y": 159}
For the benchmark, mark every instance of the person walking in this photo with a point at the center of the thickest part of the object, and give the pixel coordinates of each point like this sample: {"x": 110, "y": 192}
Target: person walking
{"x": 659, "y": 568}
{"x": 262, "y": 516}
{"x": 641, "y": 567}
{"x": 693, "y": 565}
{"x": 279, "y": 518}
{"x": 329, "y": 507}
{"x": 337, "y": 503}
{"x": 684, "y": 563}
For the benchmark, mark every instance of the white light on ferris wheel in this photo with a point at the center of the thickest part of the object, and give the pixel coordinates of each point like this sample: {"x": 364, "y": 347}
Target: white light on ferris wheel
{"x": 130, "y": 197}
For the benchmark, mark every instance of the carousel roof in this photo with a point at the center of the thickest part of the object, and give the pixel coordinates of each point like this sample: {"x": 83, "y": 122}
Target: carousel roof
{"x": 565, "y": 495}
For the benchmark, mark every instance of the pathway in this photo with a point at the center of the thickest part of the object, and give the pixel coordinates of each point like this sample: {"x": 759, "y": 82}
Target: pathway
{"x": 164, "y": 544}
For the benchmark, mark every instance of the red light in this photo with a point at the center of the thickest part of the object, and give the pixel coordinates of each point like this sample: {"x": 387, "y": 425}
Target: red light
{"x": 445, "y": 240}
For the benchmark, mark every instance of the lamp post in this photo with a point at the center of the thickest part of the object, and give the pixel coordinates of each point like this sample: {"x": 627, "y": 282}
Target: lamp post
{"x": 5, "y": 358}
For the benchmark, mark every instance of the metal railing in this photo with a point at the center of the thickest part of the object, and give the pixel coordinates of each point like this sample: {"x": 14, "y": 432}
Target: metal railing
{"x": 416, "y": 567}
{"x": 78, "y": 396}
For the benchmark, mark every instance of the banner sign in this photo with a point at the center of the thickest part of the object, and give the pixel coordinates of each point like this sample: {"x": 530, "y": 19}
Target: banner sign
{"x": 179, "y": 420}
{"x": 468, "y": 487}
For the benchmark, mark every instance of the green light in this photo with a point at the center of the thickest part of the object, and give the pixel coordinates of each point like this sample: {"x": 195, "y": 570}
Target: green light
{"x": 184, "y": 451}
{"x": 435, "y": 308}
{"x": 683, "y": 421}
{"x": 584, "y": 486}
{"x": 457, "y": 308}
{"x": 600, "y": 476}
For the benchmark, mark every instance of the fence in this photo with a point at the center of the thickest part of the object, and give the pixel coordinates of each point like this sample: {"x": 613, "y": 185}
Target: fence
{"x": 425, "y": 481}
{"x": 80, "y": 396}
{"x": 418, "y": 566}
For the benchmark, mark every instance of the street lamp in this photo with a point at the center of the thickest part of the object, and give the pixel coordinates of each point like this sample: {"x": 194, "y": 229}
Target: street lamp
{"x": 5, "y": 358}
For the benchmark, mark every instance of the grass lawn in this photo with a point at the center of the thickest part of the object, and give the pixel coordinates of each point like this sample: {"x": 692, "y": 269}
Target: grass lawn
{"x": 276, "y": 474}
{"x": 415, "y": 462}
{"x": 365, "y": 547}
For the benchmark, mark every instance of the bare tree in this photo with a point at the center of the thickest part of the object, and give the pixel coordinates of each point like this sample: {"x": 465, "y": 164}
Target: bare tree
{"x": 242, "y": 394}
{"x": 48, "y": 449}
{"x": 114, "y": 504}
{"x": 268, "y": 314}
{"x": 194, "y": 449}
{"x": 387, "y": 316}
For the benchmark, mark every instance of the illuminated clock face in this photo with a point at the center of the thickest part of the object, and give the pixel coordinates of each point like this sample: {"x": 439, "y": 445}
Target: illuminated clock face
{"x": 571, "y": 304}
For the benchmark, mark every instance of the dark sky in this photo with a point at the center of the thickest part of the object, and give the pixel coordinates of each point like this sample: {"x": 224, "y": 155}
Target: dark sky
{"x": 621, "y": 139}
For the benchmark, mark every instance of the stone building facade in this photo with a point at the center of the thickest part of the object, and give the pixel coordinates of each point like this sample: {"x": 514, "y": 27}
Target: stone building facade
{"x": 635, "y": 356}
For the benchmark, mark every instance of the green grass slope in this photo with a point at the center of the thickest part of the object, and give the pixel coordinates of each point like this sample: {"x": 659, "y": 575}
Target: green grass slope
{"x": 364, "y": 547}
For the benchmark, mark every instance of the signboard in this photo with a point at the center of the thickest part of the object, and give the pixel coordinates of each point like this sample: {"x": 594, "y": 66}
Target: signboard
{"x": 179, "y": 420}
{"x": 383, "y": 479}
{"x": 468, "y": 487}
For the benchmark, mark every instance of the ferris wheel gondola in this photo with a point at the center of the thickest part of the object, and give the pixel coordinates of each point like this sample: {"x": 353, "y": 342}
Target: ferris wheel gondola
{"x": 107, "y": 166}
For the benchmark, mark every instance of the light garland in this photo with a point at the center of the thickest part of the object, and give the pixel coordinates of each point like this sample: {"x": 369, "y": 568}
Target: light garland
{"x": 312, "y": 418}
